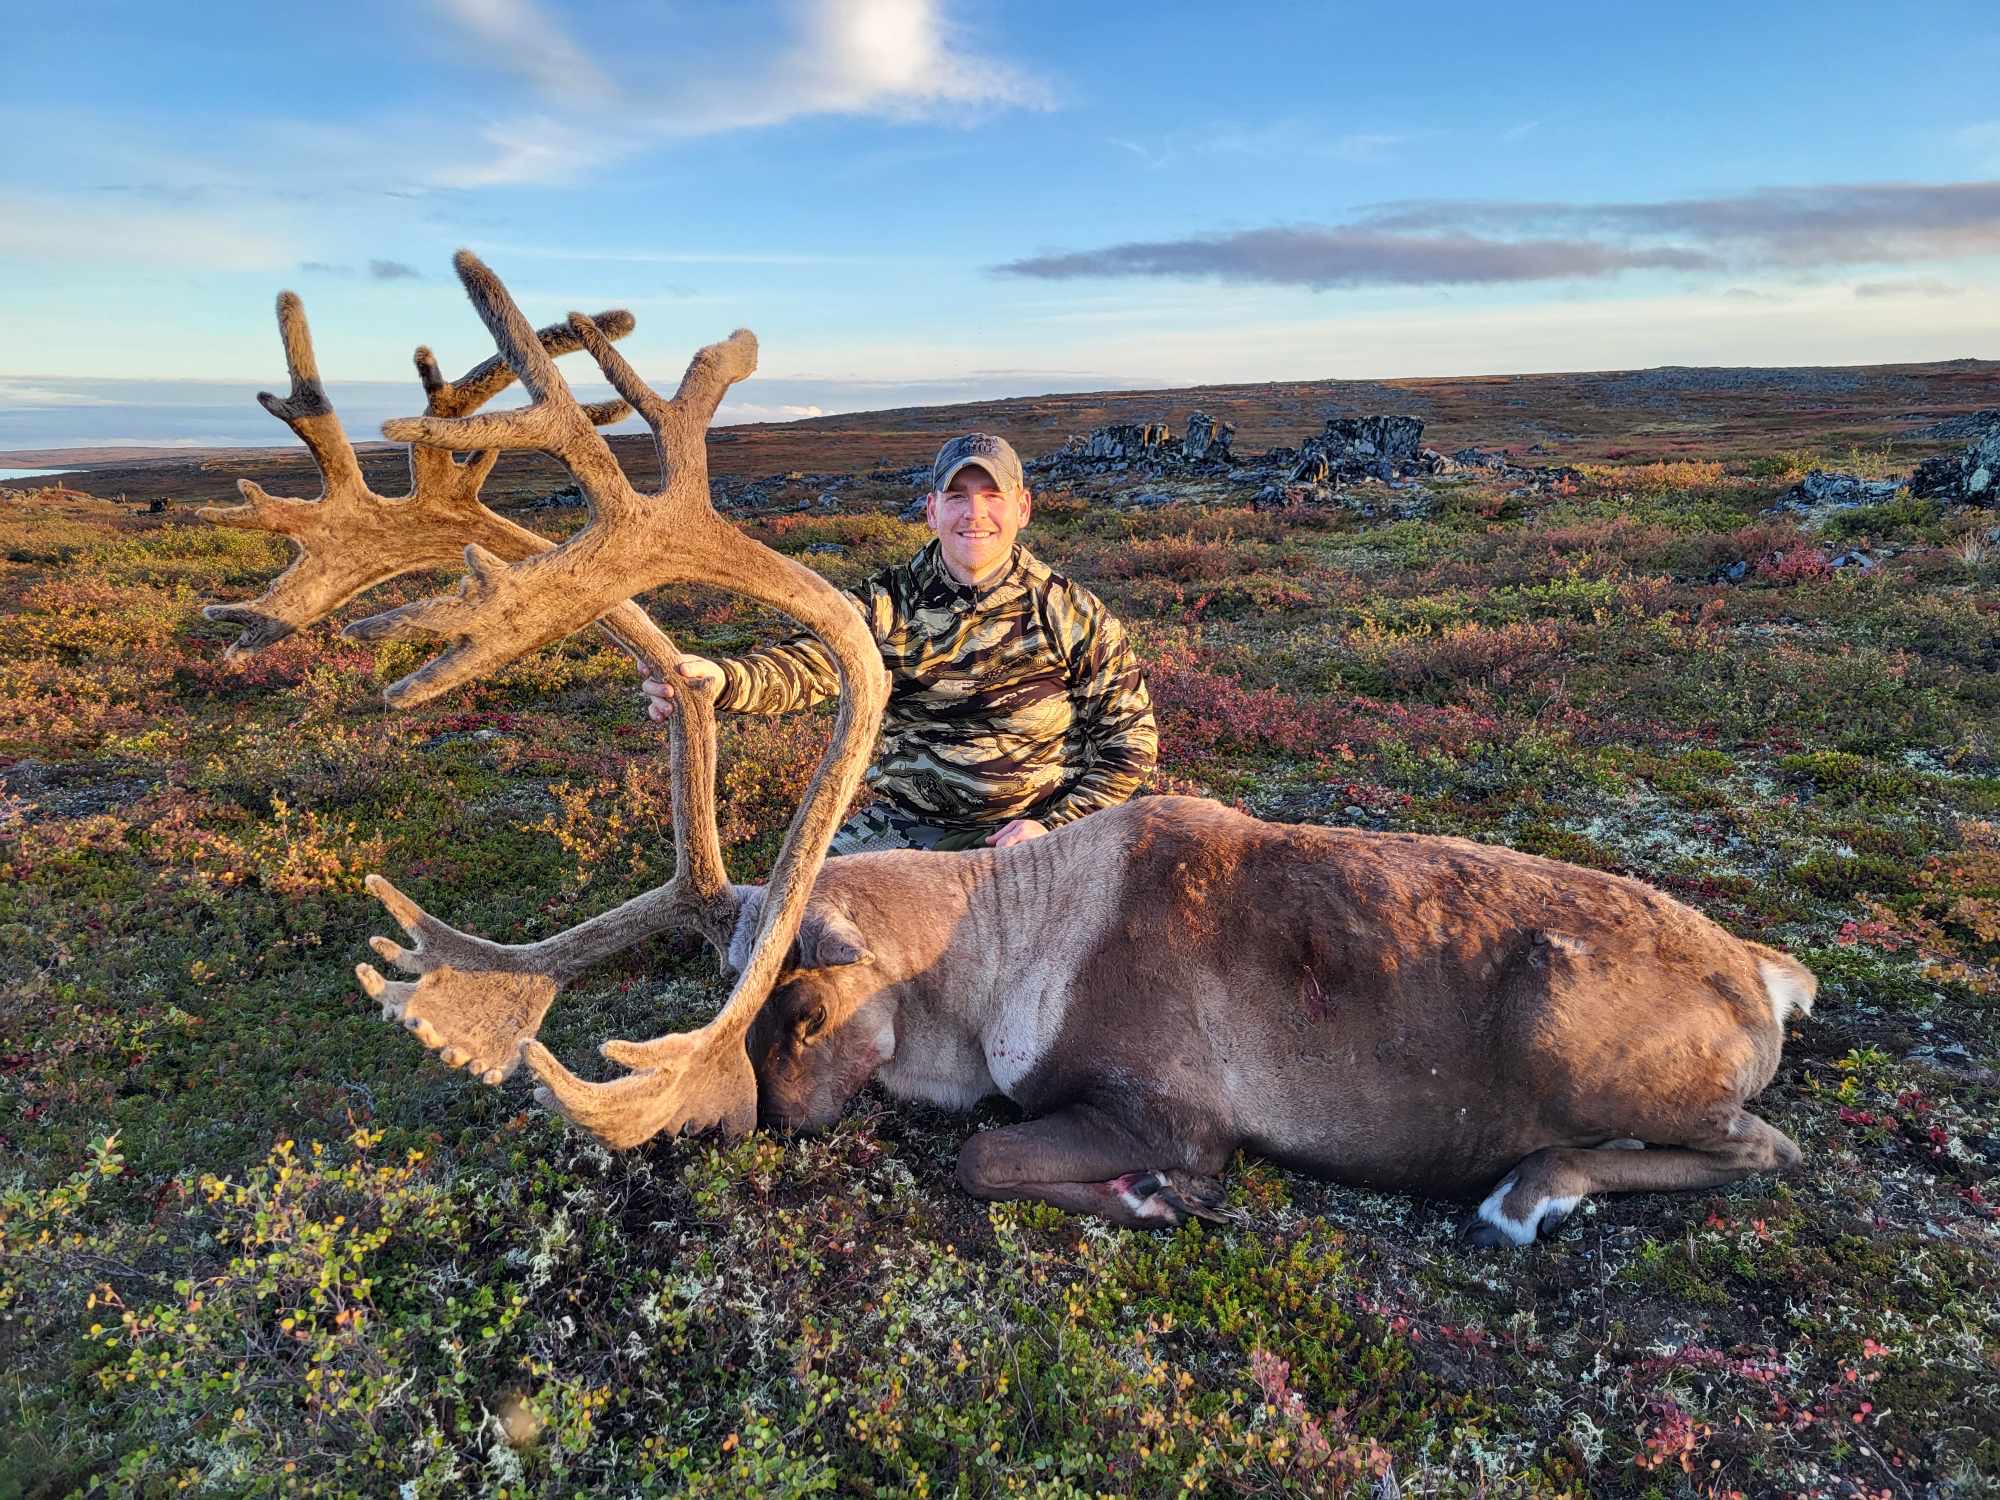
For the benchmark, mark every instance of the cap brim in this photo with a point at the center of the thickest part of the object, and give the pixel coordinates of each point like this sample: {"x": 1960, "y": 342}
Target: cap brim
{"x": 969, "y": 463}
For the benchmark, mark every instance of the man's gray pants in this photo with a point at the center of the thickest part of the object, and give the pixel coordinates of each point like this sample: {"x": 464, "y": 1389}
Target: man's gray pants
{"x": 879, "y": 826}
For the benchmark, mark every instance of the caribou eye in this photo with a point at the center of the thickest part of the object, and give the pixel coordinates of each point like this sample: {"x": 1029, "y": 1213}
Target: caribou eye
{"x": 812, "y": 1023}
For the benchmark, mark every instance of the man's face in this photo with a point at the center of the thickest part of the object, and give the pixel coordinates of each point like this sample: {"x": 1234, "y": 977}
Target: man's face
{"x": 976, "y": 522}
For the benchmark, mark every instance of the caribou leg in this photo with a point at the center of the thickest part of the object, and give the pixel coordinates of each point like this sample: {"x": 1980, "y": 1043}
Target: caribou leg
{"x": 1541, "y": 1192}
{"x": 1083, "y": 1161}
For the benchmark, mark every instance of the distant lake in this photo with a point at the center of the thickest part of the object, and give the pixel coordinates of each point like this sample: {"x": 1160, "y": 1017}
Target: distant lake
{"x": 31, "y": 473}
{"x": 39, "y": 413}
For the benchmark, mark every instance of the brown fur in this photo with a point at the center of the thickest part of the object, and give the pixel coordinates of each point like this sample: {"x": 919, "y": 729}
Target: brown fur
{"x": 1392, "y": 1010}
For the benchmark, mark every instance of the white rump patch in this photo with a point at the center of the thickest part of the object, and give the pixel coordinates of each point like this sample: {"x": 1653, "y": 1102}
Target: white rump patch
{"x": 1790, "y": 990}
{"x": 1522, "y": 1231}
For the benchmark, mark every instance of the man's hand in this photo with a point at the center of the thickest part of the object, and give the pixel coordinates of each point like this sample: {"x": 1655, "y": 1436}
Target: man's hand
{"x": 1017, "y": 832}
{"x": 660, "y": 695}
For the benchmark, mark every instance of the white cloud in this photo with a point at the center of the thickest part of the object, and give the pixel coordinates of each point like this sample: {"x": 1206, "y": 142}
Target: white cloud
{"x": 1292, "y": 139}
{"x": 1914, "y": 286}
{"x": 521, "y": 39}
{"x": 23, "y": 395}
{"x": 899, "y": 59}
{"x": 865, "y": 56}
{"x": 541, "y": 148}
{"x": 755, "y": 411}
{"x": 69, "y": 230}
{"x": 1154, "y": 160}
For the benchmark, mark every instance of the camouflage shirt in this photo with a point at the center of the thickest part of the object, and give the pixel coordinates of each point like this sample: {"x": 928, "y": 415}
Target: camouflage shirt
{"x": 1017, "y": 699}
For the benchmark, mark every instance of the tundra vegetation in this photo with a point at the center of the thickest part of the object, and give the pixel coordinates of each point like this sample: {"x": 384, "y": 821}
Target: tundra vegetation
{"x": 254, "y": 1241}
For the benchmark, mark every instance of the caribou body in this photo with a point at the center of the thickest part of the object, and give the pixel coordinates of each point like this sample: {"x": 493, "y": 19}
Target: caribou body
{"x": 1167, "y": 982}
{"x": 1159, "y": 985}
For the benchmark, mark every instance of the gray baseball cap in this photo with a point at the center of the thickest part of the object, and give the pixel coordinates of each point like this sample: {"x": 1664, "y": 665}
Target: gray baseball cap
{"x": 993, "y": 454}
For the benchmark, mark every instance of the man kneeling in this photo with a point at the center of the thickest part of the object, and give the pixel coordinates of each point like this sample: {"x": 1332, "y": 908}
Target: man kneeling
{"x": 1015, "y": 705}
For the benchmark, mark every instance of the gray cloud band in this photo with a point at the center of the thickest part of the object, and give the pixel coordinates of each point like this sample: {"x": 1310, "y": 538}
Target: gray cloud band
{"x": 1424, "y": 242}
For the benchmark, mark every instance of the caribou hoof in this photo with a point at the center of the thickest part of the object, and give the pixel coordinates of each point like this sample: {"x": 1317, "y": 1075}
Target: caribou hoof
{"x": 1167, "y": 1199}
{"x": 1490, "y": 1226}
{"x": 1481, "y": 1235}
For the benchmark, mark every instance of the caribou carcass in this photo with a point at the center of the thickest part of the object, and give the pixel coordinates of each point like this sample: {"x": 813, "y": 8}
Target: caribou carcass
{"x": 1158, "y": 986}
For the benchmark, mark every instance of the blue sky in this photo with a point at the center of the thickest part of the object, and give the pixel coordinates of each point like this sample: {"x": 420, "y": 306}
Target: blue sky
{"x": 913, "y": 199}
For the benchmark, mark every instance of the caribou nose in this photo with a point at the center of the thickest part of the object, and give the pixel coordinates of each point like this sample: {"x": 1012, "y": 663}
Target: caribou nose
{"x": 776, "y": 1118}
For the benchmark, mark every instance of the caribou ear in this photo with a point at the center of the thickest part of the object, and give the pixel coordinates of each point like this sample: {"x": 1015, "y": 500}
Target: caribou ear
{"x": 827, "y": 940}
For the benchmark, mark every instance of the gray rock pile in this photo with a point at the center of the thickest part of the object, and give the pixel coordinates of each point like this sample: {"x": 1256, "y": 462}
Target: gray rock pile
{"x": 1532, "y": 478}
{"x": 1822, "y": 490}
{"x": 1972, "y": 424}
{"x": 1357, "y": 448}
{"x": 1149, "y": 447}
{"x": 1968, "y": 478}
{"x": 769, "y": 492}
{"x": 1207, "y": 438}
{"x": 1130, "y": 442}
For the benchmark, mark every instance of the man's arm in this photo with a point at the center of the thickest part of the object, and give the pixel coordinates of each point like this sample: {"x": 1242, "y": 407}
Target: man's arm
{"x": 1113, "y": 709}
{"x": 798, "y": 672}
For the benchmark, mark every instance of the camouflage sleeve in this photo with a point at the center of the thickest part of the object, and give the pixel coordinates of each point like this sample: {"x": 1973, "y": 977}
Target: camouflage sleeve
{"x": 797, "y": 672}
{"x": 1114, "y": 712}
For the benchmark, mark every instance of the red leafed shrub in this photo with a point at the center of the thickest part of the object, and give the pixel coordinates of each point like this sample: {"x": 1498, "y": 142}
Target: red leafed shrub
{"x": 1183, "y": 558}
{"x": 1797, "y": 565}
{"x": 1200, "y": 710}
{"x": 1475, "y": 653}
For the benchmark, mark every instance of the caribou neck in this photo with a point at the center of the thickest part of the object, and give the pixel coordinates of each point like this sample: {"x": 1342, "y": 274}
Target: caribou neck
{"x": 950, "y": 935}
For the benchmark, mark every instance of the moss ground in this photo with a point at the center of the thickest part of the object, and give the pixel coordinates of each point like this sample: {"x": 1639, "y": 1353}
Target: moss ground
{"x": 253, "y": 1241}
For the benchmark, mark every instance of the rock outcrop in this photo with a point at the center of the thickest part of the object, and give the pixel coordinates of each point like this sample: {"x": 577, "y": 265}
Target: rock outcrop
{"x": 1129, "y": 442}
{"x": 1535, "y": 478}
{"x": 1968, "y": 478}
{"x": 1206, "y": 438}
{"x": 1148, "y": 447}
{"x": 1356, "y": 447}
{"x": 1823, "y": 490}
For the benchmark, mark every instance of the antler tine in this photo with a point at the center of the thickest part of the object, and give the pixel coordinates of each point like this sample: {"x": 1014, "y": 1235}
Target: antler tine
{"x": 484, "y": 381}
{"x": 680, "y": 426}
{"x": 351, "y": 538}
{"x": 700, "y": 876}
{"x": 493, "y": 374}
{"x": 554, "y": 422}
{"x": 475, "y": 1002}
{"x": 307, "y": 411}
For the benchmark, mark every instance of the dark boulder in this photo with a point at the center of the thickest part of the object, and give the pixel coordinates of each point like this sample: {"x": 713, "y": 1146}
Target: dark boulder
{"x": 1968, "y": 478}
{"x": 1128, "y": 441}
{"x": 1821, "y": 489}
{"x": 1207, "y": 438}
{"x": 1352, "y": 447}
